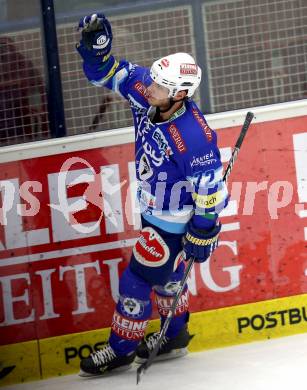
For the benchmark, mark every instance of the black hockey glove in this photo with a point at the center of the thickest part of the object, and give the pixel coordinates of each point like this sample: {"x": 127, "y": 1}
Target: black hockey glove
{"x": 97, "y": 36}
{"x": 199, "y": 243}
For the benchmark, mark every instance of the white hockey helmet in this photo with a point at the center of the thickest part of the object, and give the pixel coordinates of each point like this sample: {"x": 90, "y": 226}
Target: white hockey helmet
{"x": 177, "y": 72}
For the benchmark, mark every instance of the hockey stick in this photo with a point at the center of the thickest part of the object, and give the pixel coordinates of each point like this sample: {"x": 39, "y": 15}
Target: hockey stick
{"x": 249, "y": 117}
{"x": 144, "y": 366}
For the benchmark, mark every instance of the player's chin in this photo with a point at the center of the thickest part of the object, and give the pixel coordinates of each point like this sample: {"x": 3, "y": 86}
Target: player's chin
{"x": 153, "y": 102}
{"x": 158, "y": 102}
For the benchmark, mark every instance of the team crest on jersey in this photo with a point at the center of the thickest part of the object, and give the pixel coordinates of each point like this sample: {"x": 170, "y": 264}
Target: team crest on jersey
{"x": 145, "y": 170}
{"x": 155, "y": 156}
{"x": 150, "y": 249}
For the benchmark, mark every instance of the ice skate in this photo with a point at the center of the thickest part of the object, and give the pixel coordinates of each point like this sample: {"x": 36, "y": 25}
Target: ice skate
{"x": 169, "y": 349}
{"x": 104, "y": 361}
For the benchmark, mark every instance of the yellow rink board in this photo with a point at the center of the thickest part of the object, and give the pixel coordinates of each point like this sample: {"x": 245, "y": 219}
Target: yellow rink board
{"x": 212, "y": 329}
{"x": 19, "y": 363}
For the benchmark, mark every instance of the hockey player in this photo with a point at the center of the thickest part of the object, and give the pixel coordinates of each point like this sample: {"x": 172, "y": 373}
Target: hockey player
{"x": 180, "y": 190}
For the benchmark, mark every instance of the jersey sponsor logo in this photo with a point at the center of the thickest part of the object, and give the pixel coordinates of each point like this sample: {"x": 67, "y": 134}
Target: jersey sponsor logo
{"x": 127, "y": 328}
{"x": 165, "y": 62}
{"x": 145, "y": 170}
{"x": 201, "y": 120}
{"x": 131, "y": 306}
{"x": 188, "y": 69}
{"x": 161, "y": 141}
{"x": 176, "y": 136}
{"x": 206, "y": 159}
{"x": 150, "y": 249}
{"x": 207, "y": 200}
{"x": 165, "y": 303}
{"x": 140, "y": 88}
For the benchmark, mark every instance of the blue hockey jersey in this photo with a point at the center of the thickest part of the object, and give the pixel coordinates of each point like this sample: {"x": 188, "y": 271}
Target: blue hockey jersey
{"x": 178, "y": 165}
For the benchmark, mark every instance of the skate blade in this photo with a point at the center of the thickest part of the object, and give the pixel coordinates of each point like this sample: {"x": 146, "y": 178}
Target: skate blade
{"x": 84, "y": 374}
{"x": 174, "y": 354}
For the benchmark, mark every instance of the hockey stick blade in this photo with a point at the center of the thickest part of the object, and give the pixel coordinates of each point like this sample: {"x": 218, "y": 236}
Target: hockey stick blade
{"x": 139, "y": 372}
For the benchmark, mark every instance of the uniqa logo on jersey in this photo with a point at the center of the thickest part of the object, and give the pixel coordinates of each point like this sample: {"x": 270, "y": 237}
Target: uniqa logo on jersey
{"x": 150, "y": 249}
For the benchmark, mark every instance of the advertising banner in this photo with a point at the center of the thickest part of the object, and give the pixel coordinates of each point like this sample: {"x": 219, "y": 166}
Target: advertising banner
{"x": 69, "y": 222}
{"x": 69, "y": 219}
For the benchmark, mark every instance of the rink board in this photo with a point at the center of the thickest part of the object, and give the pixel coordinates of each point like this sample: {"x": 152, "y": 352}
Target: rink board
{"x": 19, "y": 363}
{"x": 212, "y": 329}
{"x": 58, "y": 287}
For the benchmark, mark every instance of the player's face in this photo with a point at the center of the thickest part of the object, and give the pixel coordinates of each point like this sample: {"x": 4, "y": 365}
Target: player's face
{"x": 157, "y": 95}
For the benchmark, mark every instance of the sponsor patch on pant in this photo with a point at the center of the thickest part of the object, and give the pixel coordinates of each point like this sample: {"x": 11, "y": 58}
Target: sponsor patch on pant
{"x": 127, "y": 328}
{"x": 164, "y": 304}
{"x": 150, "y": 249}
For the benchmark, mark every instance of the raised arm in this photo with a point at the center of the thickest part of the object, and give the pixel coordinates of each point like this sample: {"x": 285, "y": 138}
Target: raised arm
{"x": 101, "y": 67}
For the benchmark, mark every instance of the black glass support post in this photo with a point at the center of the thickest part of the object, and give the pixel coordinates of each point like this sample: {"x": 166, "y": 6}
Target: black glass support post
{"x": 200, "y": 46}
{"x": 54, "y": 85}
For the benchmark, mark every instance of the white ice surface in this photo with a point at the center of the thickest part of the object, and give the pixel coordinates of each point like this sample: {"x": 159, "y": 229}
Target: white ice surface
{"x": 269, "y": 365}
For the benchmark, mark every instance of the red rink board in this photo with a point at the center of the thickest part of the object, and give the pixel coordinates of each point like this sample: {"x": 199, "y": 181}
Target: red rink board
{"x": 51, "y": 284}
